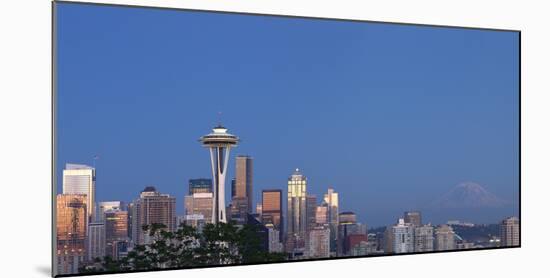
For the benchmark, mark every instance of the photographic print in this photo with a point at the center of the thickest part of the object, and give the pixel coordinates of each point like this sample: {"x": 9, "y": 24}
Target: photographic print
{"x": 190, "y": 139}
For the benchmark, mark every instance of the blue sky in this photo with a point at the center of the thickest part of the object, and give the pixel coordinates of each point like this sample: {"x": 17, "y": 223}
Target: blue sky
{"x": 391, "y": 116}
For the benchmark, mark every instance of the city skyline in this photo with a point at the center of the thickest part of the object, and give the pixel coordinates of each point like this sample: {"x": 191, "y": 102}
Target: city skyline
{"x": 452, "y": 133}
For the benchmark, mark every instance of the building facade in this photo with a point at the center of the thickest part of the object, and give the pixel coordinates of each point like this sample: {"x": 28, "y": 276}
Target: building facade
{"x": 403, "y": 237}
{"x": 296, "y": 212}
{"x": 423, "y": 238}
{"x": 509, "y": 232}
{"x": 152, "y": 207}
{"x": 319, "y": 242}
{"x": 244, "y": 180}
{"x": 413, "y": 218}
{"x": 331, "y": 201}
{"x": 71, "y": 232}
{"x": 272, "y": 209}
{"x": 96, "y": 241}
{"x": 444, "y": 238}
{"x": 80, "y": 179}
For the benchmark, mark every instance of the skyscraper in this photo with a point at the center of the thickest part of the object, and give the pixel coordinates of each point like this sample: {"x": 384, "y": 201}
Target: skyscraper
{"x": 116, "y": 231}
{"x": 152, "y": 207}
{"x": 71, "y": 232}
{"x": 319, "y": 242}
{"x": 413, "y": 217}
{"x": 331, "y": 199}
{"x": 403, "y": 237}
{"x": 80, "y": 179}
{"x": 243, "y": 179}
{"x": 199, "y": 204}
{"x": 509, "y": 232}
{"x": 296, "y": 211}
{"x": 200, "y": 186}
{"x": 444, "y": 238}
{"x": 272, "y": 209}
{"x": 105, "y": 206}
{"x": 321, "y": 214}
{"x": 423, "y": 238}
{"x": 311, "y": 209}
{"x": 348, "y": 226}
{"x": 274, "y": 235}
{"x": 96, "y": 240}
{"x": 219, "y": 142}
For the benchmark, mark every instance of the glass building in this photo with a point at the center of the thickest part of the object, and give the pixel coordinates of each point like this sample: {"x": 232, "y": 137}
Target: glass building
{"x": 80, "y": 179}
{"x": 71, "y": 232}
{"x": 200, "y": 186}
{"x": 296, "y": 213}
{"x": 272, "y": 209}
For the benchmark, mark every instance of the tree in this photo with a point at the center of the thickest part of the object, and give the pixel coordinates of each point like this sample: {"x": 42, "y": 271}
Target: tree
{"x": 223, "y": 243}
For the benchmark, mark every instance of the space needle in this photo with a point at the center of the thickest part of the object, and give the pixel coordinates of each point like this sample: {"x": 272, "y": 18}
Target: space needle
{"x": 220, "y": 143}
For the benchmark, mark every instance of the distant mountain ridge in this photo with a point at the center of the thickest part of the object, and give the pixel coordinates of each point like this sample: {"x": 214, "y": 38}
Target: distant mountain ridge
{"x": 468, "y": 195}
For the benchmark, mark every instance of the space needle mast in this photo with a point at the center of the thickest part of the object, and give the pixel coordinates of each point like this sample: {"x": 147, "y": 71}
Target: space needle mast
{"x": 220, "y": 143}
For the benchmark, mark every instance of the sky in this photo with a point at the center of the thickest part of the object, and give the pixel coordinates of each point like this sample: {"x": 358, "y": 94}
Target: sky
{"x": 392, "y": 116}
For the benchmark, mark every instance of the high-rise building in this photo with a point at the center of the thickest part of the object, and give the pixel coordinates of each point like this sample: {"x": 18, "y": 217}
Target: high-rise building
{"x": 331, "y": 200}
{"x": 444, "y": 238}
{"x": 348, "y": 226}
{"x": 321, "y": 214}
{"x": 152, "y": 207}
{"x": 423, "y": 238}
{"x": 96, "y": 240}
{"x": 71, "y": 232}
{"x": 296, "y": 213}
{"x": 413, "y": 217}
{"x": 356, "y": 242}
{"x": 275, "y": 244}
{"x": 319, "y": 242}
{"x": 102, "y": 207}
{"x": 509, "y": 232}
{"x": 116, "y": 231}
{"x": 311, "y": 209}
{"x": 80, "y": 179}
{"x": 403, "y": 237}
{"x": 199, "y": 204}
{"x": 244, "y": 180}
{"x": 238, "y": 210}
{"x": 201, "y": 185}
{"x": 219, "y": 142}
{"x": 347, "y": 217}
{"x": 272, "y": 209}
{"x": 388, "y": 240}
{"x": 259, "y": 209}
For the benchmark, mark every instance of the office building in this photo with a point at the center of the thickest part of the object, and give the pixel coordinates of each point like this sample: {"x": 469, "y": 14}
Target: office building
{"x": 275, "y": 244}
{"x": 244, "y": 180}
{"x": 321, "y": 214}
{"x": 311, "y": 209}
{"x": 116, "y": 232}
{"x": 102, "y": 207}
{"x": 96, "y": 241}
{"x": 201, "y": 185}
{"x": 71, "y": 232}
{"x": 259, "y": 209}
{"x": 403, "y": 237}
{"x": 152, "y": 207}
{"x": 413, "y": 218}
{"x": 272, "y": 209}
{"x": 509, "y": 232}
{"x": 444, "y": 238}
{"x": 296, "y": 213}
{"x": 319, "y": 242}
{"x": 201, "y": 204}
{"x": 331, "y": 201}
{"x": 80, "y": 179}
{"x": 423, "y": 238}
